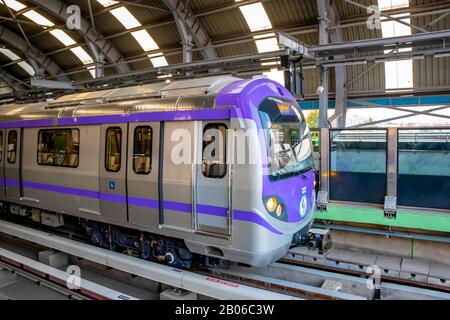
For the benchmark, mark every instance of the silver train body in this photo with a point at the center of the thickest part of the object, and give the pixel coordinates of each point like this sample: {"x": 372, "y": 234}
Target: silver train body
{"x": 224, "y": 217}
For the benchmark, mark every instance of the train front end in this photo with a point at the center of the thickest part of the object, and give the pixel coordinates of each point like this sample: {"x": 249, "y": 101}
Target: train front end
{"x": 274, "y": 198}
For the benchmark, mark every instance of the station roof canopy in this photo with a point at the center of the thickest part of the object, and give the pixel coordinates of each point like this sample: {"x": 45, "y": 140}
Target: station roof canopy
{"x": 47, "y": 39}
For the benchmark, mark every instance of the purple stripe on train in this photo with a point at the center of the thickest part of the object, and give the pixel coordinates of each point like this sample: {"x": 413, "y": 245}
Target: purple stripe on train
{"x": 60, "y": 189}
{"x": 248, "y": 216}
{"x": 141, "y": 202}
{"x": 12, "y": 183}
{"x": 212, "y": 210}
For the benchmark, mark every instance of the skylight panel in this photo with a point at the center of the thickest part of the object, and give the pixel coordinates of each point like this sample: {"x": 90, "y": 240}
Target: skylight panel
{"x": 14, "y": 57}
{"x": 125, "y": 17}
{"x": 256, "y": 16}
{"x": 59, "y": 34}
{"x": 27, "y": 68}
{"x": 395, "y": 29}
{"x": 267, "y": 44}
{"x": 92, "y": 71}
{"x": 38, "y": 18}
{"x": 398, "y": 74}
{"x": 392, "y": 4}
{"x": 14, "y": 5}
{"x": 63, "y": 37}
{"x": 84, "y": 57}
{"x": 145, "y": 40}
{"x": 11, "y": 55}
{"x": 158, "y": 60}
{"x": 107, "y": 3}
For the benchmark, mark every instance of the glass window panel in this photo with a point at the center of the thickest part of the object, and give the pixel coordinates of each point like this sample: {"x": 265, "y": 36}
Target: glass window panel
{"x": 38, "y": 18}
{"x": 14, "y": 5}
{"x": 113, "y": 149}
{"x": 358, "y": 165}
{"x": 125, "y": 18}
{"x": 142, "y": 150}
{"x": 59, "y": 147}
{"x": 145, "y": 40}
{"x": 287, "y": 136}
{"x": 12, "y": 146}
{"x": 214, "y": 151}
{"x": 424, "y": 168}
{"x": 256, "y": 16}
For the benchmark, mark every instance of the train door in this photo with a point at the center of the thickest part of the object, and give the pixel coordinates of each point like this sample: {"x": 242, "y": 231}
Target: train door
{"x": 12, "y": 165}
{"x": 2, "y": 164}
{"x": 113, "y": 168}
{"x": 143, "y": 173}
{"x": 176, "y": 183}
{"x": 213, "y": 179}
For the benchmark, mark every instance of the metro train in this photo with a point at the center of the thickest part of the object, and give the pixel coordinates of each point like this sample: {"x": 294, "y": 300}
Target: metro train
{"x": 107, "y": 158}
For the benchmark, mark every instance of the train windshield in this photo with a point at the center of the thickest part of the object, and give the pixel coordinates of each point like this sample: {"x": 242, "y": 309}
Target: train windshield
{"x": 288, "y": 138}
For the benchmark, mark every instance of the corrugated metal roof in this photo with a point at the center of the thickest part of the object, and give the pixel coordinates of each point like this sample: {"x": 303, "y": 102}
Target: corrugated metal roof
{"x": 431, "y": 72}
{"x": 224, "y": 22}
{"x": 291, "y": 12}
{"x": 345, "y": 9}
{"x": 199, "y": 5}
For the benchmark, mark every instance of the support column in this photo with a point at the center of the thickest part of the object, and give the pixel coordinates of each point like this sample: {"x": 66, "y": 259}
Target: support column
{"x": 322, "y": 7}
{"x": 340, "y": 72}
{"x": 329, "y": 18}
{"x": 99, "y": 60}
{"x": 323, "y": 97}
{"x": 187, "y": 52}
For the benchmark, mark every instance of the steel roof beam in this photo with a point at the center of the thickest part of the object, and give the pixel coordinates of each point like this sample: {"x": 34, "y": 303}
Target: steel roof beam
{"x": 184, "y": 15}
{"x": 243, "y": 38}
{"x": 425, "y": 38}
{"x": 58, "y": 9}
{"x": 18, "y": 43}
{"x": 11, "y": 81}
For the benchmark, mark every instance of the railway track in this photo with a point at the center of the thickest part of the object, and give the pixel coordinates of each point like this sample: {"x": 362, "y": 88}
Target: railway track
{"x": 303, "y": 281}
{"x": 383, "y": 278}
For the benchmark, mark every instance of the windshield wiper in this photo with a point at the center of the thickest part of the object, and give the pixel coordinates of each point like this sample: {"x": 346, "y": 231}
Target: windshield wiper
{"x": 303, "y": 171}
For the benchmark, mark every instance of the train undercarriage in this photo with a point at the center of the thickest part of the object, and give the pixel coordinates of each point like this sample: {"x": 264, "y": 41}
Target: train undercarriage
{"x": 156, "y": 248}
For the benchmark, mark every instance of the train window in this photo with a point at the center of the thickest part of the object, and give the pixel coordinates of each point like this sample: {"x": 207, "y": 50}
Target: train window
{"x": 1, "y": 146}
{"x": 58, "y": 147}
{"x": 214, "y": 151}
{"x": 142, "y": 150}
{"x": 288, "y": 138}
{"x": 12, "y": 146}
{"x": 113, "y": 149}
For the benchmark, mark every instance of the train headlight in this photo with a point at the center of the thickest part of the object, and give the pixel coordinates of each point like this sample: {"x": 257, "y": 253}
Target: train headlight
{"x": 271, "y": 204}
{"x": 279, "y": 211}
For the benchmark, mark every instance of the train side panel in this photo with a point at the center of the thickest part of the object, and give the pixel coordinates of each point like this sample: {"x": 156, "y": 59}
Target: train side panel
{"x": 70, "y": 190}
